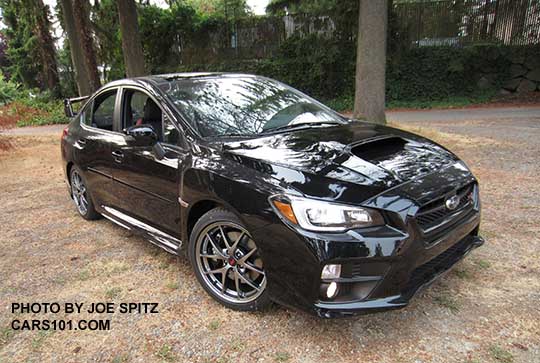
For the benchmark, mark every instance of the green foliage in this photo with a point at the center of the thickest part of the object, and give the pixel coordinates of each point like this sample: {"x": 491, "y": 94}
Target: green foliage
{"x": 500, "y": 354}
{"x": 23, "y": 107}
{"x": 320, "y": 67}
{"x": 9, "y": 90}
{"x": 50, "y": 110}
{"x": 66, "y": 71}
{"x": 231, "y": 9}
{"x": 109, "y": 42}
{"x": 22, "y": 47}
{"x": 428, "y": 77}
{"x": 162, "y": 29}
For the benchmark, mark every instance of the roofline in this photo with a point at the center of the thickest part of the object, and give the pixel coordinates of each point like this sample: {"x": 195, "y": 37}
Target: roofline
{"x": 156, "y": 80}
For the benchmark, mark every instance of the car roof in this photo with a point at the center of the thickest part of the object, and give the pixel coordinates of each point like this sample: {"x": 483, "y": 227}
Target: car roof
{"x": 159, "y": 79}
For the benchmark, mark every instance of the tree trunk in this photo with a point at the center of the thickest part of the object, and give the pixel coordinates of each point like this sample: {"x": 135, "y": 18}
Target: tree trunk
{"x": 369, "y": 98}
{"x": 77, "y": 56}
{"x": 131, "y": 40}
{"x": 82, "y": 26}
{"x": 46, "y": 50}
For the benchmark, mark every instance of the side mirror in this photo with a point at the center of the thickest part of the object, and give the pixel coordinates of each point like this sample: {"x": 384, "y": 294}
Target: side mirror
{"x": 143, "y": 135}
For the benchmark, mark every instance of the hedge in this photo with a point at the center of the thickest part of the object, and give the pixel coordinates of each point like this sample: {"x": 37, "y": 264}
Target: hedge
{"x": 325, "y": 69}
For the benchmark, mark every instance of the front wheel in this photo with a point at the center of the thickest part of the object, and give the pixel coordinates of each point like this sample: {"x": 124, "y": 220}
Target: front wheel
{"x": 227, "y": 261}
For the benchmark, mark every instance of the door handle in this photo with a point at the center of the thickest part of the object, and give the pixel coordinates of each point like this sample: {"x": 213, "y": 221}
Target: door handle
{"x": 82, "y": 142}
{"x": 118, "y": 156}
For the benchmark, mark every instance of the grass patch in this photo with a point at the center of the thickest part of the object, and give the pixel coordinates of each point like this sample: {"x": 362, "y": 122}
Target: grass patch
{"x": 172, "y": 285}
{"x": 166, "y": 353}
{"x": 121, "y": 358}
{"x": 483, "y": 264}
{"x": 163, "y": 265}
{"x": 115, "y": 267}
{"x": 84, "y": 275}
{"x": 5, "y": 334}
{"x": 9, "y": 290}
{"x": 447, "y": 302}
{"x": 108, "y": 269}
{"x": 113, "y": 292}
{"x": 38, "y": 340}
{"x": 282, "y": 357}
{"x": 462, "y": 274}
{"x": 214, "y": 325}
{"x": 486, "y": 234}
{"x": 59, "y": 280}
{"x": 238, "y": 345}
{"x": 500, "y": 354}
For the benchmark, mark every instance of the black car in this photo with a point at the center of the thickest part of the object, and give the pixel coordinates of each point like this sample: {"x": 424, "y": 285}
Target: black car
{"x": 277, "y": 197}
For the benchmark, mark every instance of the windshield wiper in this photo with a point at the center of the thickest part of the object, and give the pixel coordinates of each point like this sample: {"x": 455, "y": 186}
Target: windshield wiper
{"x": 301, "y": 125}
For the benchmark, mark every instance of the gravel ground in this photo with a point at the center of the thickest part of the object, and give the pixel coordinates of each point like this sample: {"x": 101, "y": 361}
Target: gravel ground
{"x": 486, "y": 310}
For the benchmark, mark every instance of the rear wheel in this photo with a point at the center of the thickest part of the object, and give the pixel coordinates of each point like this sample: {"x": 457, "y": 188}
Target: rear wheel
{"x": 227, "y": 262}
{"x": 81, "y": 195}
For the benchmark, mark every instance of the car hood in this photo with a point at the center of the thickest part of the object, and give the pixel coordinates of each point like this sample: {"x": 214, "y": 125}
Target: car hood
{"x": 345, "y": 162}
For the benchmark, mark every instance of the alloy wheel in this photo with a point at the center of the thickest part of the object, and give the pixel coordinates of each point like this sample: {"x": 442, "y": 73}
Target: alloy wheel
{"x": 79, "y": 193}
{"x": 229, "y": 262}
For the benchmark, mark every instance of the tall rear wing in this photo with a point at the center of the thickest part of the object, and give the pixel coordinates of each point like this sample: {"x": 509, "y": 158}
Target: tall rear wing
{"x": 68, "y": 104}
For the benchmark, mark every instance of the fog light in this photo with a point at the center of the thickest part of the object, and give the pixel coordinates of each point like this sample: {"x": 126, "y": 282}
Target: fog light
{"x": 331, "y": 291}
{"x": 331, "y": 272}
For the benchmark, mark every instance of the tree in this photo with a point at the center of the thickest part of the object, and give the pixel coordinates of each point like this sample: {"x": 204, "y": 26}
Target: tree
{"x": 47, "y": 51}
{"x": 131, "y": 39}
{"x": 105, "y": 24}
{"x": 75, "y": 45}
{"x": 82, "y": 27}
{"x": 30, "y": 46}
{"x": 369, "y": 98}
{"x": 229, "y": 9}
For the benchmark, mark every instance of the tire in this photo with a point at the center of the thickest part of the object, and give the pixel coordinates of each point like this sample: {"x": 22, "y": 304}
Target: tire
{"x": 240, "y": 265}
{"x": 80, "y": 192}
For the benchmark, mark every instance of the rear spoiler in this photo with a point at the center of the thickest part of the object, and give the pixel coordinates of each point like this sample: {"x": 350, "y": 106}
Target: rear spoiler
{"x": 68, "y": 102}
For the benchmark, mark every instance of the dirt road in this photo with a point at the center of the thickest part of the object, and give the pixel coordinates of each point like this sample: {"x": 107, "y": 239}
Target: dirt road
{"x": 486, "y": 310}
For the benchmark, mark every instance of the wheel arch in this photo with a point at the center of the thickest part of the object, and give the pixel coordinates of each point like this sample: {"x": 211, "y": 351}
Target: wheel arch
{"x": 69, "y": 166}
{"x": 197, "y": 210}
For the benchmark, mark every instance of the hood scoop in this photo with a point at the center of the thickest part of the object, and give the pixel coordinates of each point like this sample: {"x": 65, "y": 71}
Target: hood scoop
{"x": 379, "y": 149}
{"x": 405, "y": 159}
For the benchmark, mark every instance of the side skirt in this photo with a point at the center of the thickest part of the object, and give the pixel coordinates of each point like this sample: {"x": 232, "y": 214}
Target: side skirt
{"x": 152, "y": 234}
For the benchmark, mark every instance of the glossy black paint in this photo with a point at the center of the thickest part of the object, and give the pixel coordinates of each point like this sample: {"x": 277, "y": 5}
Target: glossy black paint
{"x": 156, "y": 189}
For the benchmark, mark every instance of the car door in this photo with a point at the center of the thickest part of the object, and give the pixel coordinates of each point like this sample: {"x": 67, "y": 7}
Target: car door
{"x": 145, "y": 182}
{"x": 94, "y": 145}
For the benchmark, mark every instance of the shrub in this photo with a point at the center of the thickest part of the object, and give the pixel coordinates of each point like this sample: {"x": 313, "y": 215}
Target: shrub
{"x": 32, "y": 108}
{"x": 418, "y": 77}
{"x": 9, "y": 90}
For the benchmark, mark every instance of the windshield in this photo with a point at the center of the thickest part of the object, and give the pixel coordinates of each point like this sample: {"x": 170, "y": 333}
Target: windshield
{"x": 244, "y": 105}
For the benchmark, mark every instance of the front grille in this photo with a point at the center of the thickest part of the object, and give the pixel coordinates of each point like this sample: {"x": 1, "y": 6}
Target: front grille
{"x": 429, "y": 270}
{"x": 435, "y": 212}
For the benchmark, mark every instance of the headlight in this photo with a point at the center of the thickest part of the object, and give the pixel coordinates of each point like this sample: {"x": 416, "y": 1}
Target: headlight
{"x": 316, "y": 215}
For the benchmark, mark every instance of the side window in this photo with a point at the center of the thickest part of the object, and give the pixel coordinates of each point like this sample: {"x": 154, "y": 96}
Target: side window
{"x": 103, "y": 111}
{"x": 140, "y": 109}
{"x": 170, "y": 132}
{"x": 86, "y": 114}
{"x": 133, "y": 108}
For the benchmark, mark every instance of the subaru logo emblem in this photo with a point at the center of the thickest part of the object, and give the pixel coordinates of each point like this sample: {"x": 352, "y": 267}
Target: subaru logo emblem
{"x": 452, "y": 202}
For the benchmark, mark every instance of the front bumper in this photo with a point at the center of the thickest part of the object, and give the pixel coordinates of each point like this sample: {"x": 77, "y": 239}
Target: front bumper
{"x": 420, "y": 278}
{"x": 384, "y": 266}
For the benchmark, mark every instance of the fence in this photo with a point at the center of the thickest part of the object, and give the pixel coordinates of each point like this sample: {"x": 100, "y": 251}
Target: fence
{"x": 419, "y": 23}
{"x": 454, "y": 22}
